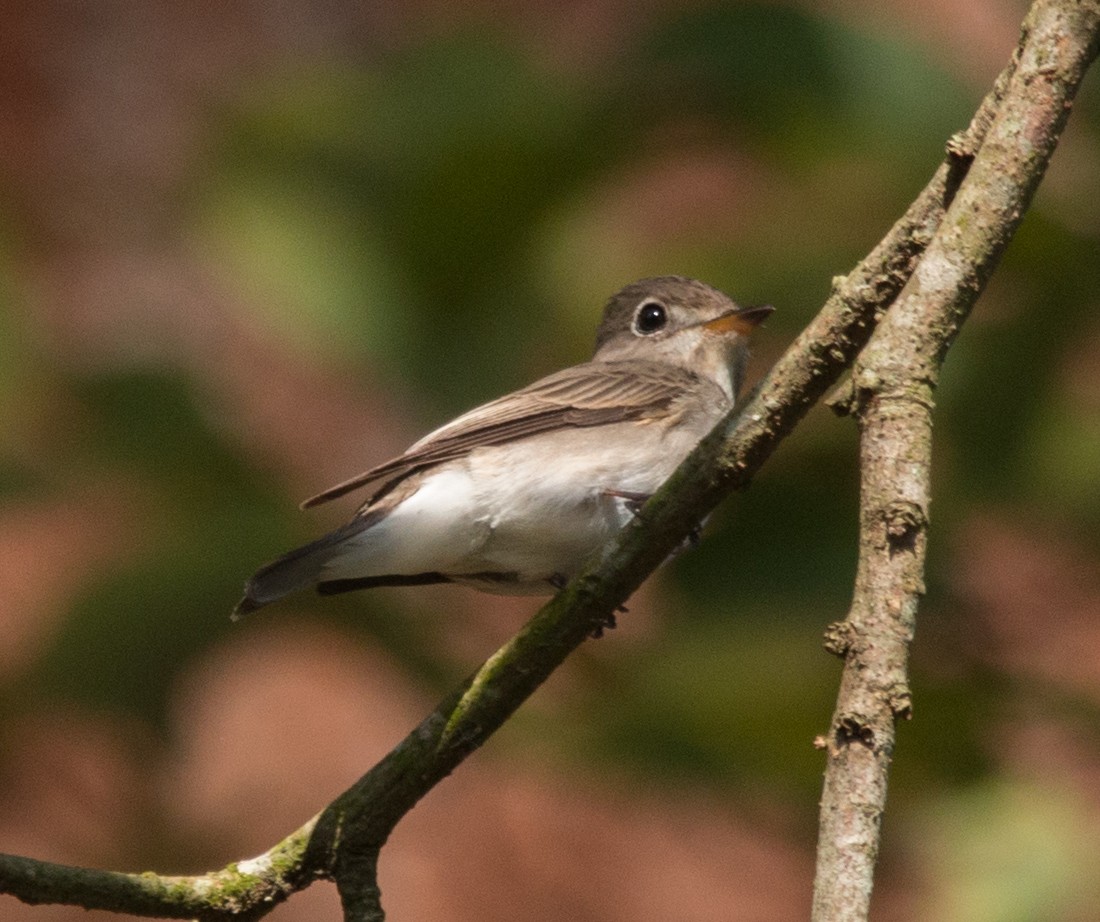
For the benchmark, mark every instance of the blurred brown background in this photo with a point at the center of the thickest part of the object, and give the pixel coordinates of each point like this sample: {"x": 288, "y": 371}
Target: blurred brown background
{"x": 250, "y": 248}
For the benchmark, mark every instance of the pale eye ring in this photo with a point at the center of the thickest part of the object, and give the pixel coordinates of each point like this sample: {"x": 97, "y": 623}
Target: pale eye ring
{"x": 650, "y": 317}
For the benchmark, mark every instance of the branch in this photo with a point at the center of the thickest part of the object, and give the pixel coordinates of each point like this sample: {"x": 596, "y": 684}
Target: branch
{"x": 242, "y": 891}
{"x": 724, "y": 461}
{"x": 891, "y": 396}
{"x": 360, "y": 820}
{"x": 357, "y": 880}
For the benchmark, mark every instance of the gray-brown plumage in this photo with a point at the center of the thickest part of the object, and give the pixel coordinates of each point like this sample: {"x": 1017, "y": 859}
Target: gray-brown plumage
{"x": 587, "y": 395}
{"x": 516, "y": 494}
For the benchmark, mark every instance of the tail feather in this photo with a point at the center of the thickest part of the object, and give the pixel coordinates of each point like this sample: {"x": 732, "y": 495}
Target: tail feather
{"x": 297, "y": 569}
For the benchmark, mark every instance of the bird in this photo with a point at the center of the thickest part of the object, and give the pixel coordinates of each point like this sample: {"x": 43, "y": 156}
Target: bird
{"x": 513, "y": 497}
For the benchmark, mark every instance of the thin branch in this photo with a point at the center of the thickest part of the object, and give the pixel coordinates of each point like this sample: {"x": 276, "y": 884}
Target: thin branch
{"x": 725, "y": 461}
{"x": 363, "y": 817}
{"x": 242, "y": 891}
{"x": 893, "y": 382}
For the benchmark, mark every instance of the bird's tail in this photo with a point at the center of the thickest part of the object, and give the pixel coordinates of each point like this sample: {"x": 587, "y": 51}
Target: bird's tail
{"x": 297, "y": 569}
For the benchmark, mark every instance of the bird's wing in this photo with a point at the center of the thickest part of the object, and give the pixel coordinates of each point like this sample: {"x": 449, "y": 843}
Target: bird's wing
{"x": 591, "y": 394}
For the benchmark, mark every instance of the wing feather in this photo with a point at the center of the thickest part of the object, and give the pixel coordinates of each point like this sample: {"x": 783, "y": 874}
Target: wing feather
{"x": 592, "y": 394}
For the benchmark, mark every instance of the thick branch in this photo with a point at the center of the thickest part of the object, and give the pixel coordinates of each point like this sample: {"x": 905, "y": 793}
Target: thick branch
{"x": 361, "y": 819}
{"x": 893, "y": 384}
{"x": 357, "y": 880}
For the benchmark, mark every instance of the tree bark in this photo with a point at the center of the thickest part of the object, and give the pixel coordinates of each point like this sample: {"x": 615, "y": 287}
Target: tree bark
{"x": 891, "y": 396}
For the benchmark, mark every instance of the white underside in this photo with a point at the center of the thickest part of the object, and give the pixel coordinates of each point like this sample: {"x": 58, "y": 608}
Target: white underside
{"x": 533, "y": 511}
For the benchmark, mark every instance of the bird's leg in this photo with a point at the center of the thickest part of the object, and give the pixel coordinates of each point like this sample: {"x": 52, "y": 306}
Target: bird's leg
{"x": 632, "y": 500}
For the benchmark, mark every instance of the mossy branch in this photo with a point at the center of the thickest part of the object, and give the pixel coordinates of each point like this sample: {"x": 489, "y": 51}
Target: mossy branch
{"x": 360, "y": 820}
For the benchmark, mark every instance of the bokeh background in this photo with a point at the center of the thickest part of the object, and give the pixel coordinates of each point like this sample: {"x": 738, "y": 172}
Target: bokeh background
{"x": 249, "y": 248}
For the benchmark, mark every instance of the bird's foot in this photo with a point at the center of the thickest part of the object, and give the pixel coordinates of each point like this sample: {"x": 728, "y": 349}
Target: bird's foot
{"x": 606, "y": 623}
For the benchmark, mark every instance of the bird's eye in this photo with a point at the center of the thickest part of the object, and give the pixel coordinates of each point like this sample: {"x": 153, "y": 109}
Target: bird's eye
{"x": 650, "y": 318}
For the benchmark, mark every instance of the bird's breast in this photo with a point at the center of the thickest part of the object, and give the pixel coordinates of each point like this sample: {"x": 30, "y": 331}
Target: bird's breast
{"x": 550, "y": 501}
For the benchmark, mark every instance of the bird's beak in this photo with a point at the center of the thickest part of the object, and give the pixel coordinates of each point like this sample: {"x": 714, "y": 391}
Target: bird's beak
{"x": 741, "y": 320}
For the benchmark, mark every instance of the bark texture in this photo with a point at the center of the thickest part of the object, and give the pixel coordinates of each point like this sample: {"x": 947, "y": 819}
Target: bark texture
{"x": 892, "y": 398}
